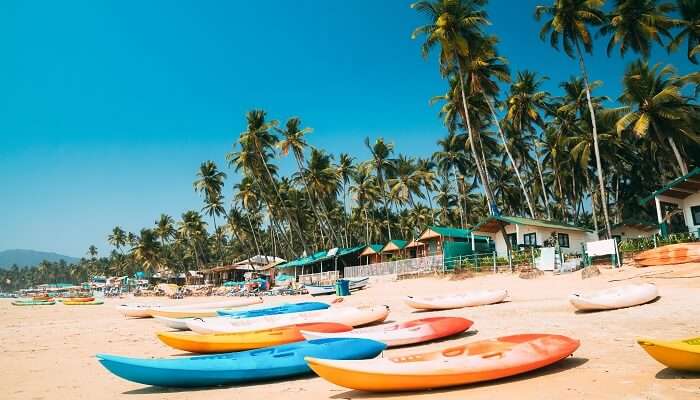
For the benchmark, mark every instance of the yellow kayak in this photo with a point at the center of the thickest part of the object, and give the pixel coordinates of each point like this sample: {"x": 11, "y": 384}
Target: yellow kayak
{"x": 677, "y": 354}
{"x": 83, "y": 303}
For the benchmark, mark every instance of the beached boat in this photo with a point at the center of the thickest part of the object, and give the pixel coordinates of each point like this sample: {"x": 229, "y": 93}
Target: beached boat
{"x": 83, "y": 303}
{"x": 321, "y": 290}
{"x": 618, "y": 297}
{"x": 456, "y": 365}
{"x": 137, "y": 310}
{"x": 670, "y": 254}
{"x": 469, "y": 299}
{"x": 683, "y": 355}
{"x": 227, "y": 342}
{"x": 203, "y": 309}
{"x": 33, "y": 303}
{"x": 352, "y": 316}
{"x": 76, "y": 299}
{"x": 275, "y": 310}
{"x": 401, "y": 334}
{"x": 229, "y": 368}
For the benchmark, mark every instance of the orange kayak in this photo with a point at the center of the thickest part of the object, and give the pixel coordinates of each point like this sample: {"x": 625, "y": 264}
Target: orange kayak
{"x": 671, "y": 254}
{"x": 457, "y": 365}
{"x": 228, "y": 342}
{"x": 42, "y": 298}
{"x": 79, "y": 299}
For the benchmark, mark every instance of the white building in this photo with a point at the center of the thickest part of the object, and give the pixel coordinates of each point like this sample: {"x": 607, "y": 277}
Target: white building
{"x": 523, "y": 232}
{"x": 678, "y": 204}
{"x": 630, "y": 229}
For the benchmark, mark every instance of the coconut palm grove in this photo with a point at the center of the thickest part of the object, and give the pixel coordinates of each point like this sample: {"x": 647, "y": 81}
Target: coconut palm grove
{"x": 580, "y": 154}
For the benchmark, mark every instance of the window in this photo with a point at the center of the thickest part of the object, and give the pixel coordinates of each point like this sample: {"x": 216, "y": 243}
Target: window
{"x": 563, "y": 239}
{"x": 695, "y": 213}
{"x": 512, "y": 239}
{"x": 530, "y": 239}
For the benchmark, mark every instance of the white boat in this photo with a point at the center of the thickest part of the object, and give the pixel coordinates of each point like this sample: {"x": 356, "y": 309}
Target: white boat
{"x": 617, "y": 297}
{"x": 198, "y": 309}
{"x": 320, "y": 290}
{"x": 469, "y": 299}
{"x": 137, "y": 310}
{"x": 352, "y": 316}
{"x": 179, "y": 324}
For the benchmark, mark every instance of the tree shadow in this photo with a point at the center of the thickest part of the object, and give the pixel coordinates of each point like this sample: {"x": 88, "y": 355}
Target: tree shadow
{"x": 163, "y": 390}
{"x": 563, "y": 365}
{"x": 654, "y": 300}
{"x": 669, "y": 373}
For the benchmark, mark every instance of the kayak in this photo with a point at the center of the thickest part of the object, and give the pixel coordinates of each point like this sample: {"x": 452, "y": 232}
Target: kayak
{"x": 42, "y": 298}
{"x": 77, "y": 299}
{"x": 83, "y": 303}
{"x": 618, "y": 297}
{"x": 411, "y": 332}
{"x": 248, "y": 366}
{"x": 682, "y": 355}
{"x": 33, "y": 303}
{"x": 202, "y": 309}
{"x": 227, "y": 342}
{"x": 469, "y": 299}
{"x": 352, "y": 316}
{"x": 679, "y": 253}
{"x": 276, "y": 310}
{"x": 457, "y": 365}
{"x": 136, "y": 310}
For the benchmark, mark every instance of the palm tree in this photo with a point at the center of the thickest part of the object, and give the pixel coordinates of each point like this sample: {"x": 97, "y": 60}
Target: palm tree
{"x": 634, "y": 24}
{"x": 365, "y": 192}
{"x": 294, "y": 140}
{"x": 92, "y": 252}
{"x": 425, "y": 170}
{"x": 210, "y": 182}
{"x": 569, "y": 24}
{"x": 689, "y": 11}
{"x": 165, "y": 228}
{"x": 193, "y": 230}
{"x": 117, "y": 238}
{"x": 451, "y": 158}
{"x": 657, "y": 108}
{"x": 381, "y": 151}
{"x": 147, "y": 251}
{"x": 455, "y": 25}
{"x": 344, "y": 169}
{"x": 523, "y": 105}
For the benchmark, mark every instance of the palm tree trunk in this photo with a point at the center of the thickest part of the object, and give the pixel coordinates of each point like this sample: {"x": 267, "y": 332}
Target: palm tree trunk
{"x": 599, "y": 167}
{"x": 510, "y": 156}
{"x": 430, "y": 203}
{"x": 252, "y": 232}
{"x": 345, "y": 216}
{"x": 595, "y": 215}
{"x": 679, "y": 159}
{"x": 321, "y": 223}
{"x": 545, "y": 196}
{"x": 386, "y": 209}
{"x": 459, "y": 196}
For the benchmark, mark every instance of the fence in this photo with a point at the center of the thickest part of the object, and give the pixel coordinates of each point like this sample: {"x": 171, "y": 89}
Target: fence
{"x": 321, "y": 277}
{"x": 491, "y": 262}
{"x": 634, "y": 245}
{"x": 410, "y": 265}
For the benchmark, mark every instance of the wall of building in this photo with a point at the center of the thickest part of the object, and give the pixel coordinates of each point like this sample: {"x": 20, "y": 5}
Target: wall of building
{"x": 576, "y": 238}
{"x": 691, "y": 201}
{"x": 630, "y": 232}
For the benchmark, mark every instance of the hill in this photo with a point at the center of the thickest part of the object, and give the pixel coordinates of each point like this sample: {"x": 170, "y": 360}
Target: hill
{"x": 30, "y": 258}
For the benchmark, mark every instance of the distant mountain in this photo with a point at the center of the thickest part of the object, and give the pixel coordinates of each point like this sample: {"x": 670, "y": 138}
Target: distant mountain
{"x": 30, "y": 258}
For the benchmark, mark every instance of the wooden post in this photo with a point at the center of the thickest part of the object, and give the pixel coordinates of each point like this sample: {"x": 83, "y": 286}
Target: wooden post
{"x": 494, "y": 262}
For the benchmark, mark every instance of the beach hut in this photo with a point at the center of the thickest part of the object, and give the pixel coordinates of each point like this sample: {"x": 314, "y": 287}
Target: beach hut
{"x": 527, "y": 232}
{"x": 435, "y": 239}
{"x": 370, "y": 254}
{"x": 322, "y": 266}
{"x": 678, "y": 204}
{"x": 394, "y": 250}
{"x": 630, "y": 229}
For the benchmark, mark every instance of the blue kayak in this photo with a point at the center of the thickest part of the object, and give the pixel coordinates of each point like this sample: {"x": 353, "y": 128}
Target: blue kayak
{"x": 276, "y": 310}
{"x": 246, "y": 366}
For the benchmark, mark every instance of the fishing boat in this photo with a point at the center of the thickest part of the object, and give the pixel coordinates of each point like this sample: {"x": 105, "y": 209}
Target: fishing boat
{"x": 322, "y": 290}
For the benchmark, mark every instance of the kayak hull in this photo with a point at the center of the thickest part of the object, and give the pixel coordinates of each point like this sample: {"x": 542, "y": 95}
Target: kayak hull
{"x": 33, "y": 303}
{"x": 230, "y": 368}
{"x": 475, "y": 362}
{"x": 679, "y": 253}
{"x": 203, "y": 309}
{"x": 276, "y": 310}
{"x": 411, "y": 332}
{"x": 683, "y": 355}
{"x": 228, "y": 342}
{"x": 473, "y": 299}
{"x": 83, "y": 303}
{"x": 619, "y": 297}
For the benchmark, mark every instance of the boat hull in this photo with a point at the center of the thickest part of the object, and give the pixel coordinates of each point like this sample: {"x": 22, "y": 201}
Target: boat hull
{"x": 682, "y": 355}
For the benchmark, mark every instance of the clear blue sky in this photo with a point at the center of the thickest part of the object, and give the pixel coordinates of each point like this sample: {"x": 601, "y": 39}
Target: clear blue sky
{"x": 107, "y": 108}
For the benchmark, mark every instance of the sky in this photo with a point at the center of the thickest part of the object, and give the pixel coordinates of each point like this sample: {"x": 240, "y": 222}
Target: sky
{"x": 107, "y": 108}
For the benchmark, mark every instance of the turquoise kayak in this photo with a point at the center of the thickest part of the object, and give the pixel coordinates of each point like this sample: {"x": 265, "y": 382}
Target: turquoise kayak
{"x": 276, "y": 310}
{"x": 242, "y": 367}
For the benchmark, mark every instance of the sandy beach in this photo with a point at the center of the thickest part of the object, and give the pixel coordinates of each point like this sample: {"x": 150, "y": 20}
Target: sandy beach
{"x": 48, "y": 352}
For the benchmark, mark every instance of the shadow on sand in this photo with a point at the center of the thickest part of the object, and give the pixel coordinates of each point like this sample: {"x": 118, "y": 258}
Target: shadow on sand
{"x": 668, "y": 373}
{"x": 161, "y": 390}
{"x": 563, "y": 365}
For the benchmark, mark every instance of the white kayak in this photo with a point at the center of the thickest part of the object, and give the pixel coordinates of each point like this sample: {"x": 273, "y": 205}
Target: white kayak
{"x": 137, "y": 310}
{"x": 352, "y": 316}
{"x": 469, "y": 299}
{"x": 617, "y": 297}
{"x": 179, "y": 324}
{"x": 202, "y": 309}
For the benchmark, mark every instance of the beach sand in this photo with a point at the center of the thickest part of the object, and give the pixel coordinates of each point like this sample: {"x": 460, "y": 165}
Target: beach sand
{"x": 48, "y": 352}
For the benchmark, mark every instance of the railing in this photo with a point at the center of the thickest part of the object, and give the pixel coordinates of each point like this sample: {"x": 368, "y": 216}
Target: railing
{"x": 410, "y": 265}
{"x": 491, "y": 262}
{"x": 321, "y": 277}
